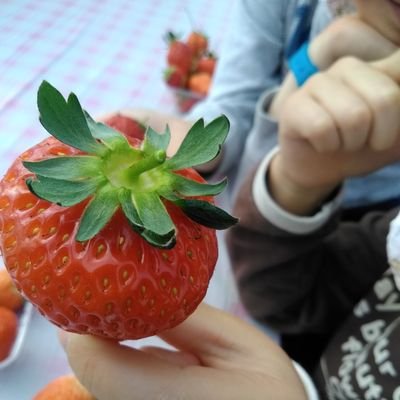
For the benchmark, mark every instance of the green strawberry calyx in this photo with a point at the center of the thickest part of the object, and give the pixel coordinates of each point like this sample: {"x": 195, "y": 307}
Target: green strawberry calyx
{"x": 114, "y": 174}
{"x": 171, "y": 36}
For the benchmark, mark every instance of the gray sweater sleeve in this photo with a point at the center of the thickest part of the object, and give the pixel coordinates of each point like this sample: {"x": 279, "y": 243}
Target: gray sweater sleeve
{"x": 304, "y": 283}
{"x": 251, "y": 61}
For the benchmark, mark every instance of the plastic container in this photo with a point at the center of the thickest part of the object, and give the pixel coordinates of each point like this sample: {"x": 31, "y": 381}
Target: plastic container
{"x": 24, "y": 315}
{"x": 185, "y": 99}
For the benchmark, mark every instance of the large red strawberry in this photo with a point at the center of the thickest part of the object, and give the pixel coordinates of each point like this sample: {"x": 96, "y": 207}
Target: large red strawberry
{"x": 111, "y": 239}
{"x": 179, "y": 54}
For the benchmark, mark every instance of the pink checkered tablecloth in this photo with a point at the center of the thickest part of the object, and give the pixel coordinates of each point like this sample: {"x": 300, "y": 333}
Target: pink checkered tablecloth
{"x": 110, "y": 53}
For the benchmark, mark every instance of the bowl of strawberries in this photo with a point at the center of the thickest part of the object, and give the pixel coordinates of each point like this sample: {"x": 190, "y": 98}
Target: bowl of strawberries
{"x": 15, "y": 313}
{"x": 190, "y": 68}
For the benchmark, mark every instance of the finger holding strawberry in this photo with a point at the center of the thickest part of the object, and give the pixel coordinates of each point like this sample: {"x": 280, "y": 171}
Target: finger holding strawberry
{"x": 109, "y": 238}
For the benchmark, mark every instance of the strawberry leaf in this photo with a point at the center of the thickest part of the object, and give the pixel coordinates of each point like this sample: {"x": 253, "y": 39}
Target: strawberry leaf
{"x": 61, "y": 192}
{"x": 201, "y": 144}
{"x": 167, "y": 241}
{"x": 105, "y": 133}
{"x": 97, "y": 213}
{"x": 154, "y": 141}
{"x": 65, "y": 120}
{"x": 162, "y": 241}
{"x": 66, "y": 168}
{"x": 206, "y": 214}
{"x": 188, "y": 187}
{"x": 125, "y": 198}
{"x": 153, "y": 213}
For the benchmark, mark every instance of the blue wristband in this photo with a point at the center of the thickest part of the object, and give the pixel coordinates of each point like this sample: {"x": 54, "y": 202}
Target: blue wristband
{"x": 301, "y": 65}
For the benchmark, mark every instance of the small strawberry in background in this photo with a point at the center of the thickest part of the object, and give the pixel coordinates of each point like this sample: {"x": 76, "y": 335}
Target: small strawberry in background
{"x": 198, "y": 42}
{"x": 65, "y": 387}
{"x": 179, "y": 53}
{"x": 200, "y": 82}
{"x": 131, "y": 128}
{"x": 207, "y": 63}
{"x": 11, "y": 302}
{"x": 9, "y": 295}
{"x": 8, "y": 331}
{"x": 191, "y": 79}
{"x": 174, "y": 77}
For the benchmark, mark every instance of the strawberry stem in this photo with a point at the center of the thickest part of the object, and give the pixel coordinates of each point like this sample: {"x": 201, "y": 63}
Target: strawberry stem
{"x": 147, "y": 163}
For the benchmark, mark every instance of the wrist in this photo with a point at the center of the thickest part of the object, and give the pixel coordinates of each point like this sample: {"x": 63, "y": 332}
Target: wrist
{"x": 291, "y": 195}
{"x": 278, "y": 216}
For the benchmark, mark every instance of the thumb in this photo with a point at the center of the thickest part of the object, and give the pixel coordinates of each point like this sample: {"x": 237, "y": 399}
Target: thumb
{"x": 390, "y": 66}
{"x": 110, "y": 370}
{"x": 210, "y": 333}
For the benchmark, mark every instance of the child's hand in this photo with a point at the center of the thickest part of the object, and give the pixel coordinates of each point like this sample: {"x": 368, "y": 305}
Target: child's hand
{"x": 349, "y": 36}
{"x": 343, "y": 122}
{"x": 218, "y": 357}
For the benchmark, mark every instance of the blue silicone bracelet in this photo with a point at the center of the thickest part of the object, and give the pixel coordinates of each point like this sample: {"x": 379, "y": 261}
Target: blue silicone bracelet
{"x": 301, "y": 65}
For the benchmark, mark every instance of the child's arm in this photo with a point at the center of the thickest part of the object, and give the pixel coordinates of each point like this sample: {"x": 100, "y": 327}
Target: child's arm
{"x": 298, "y": 266}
